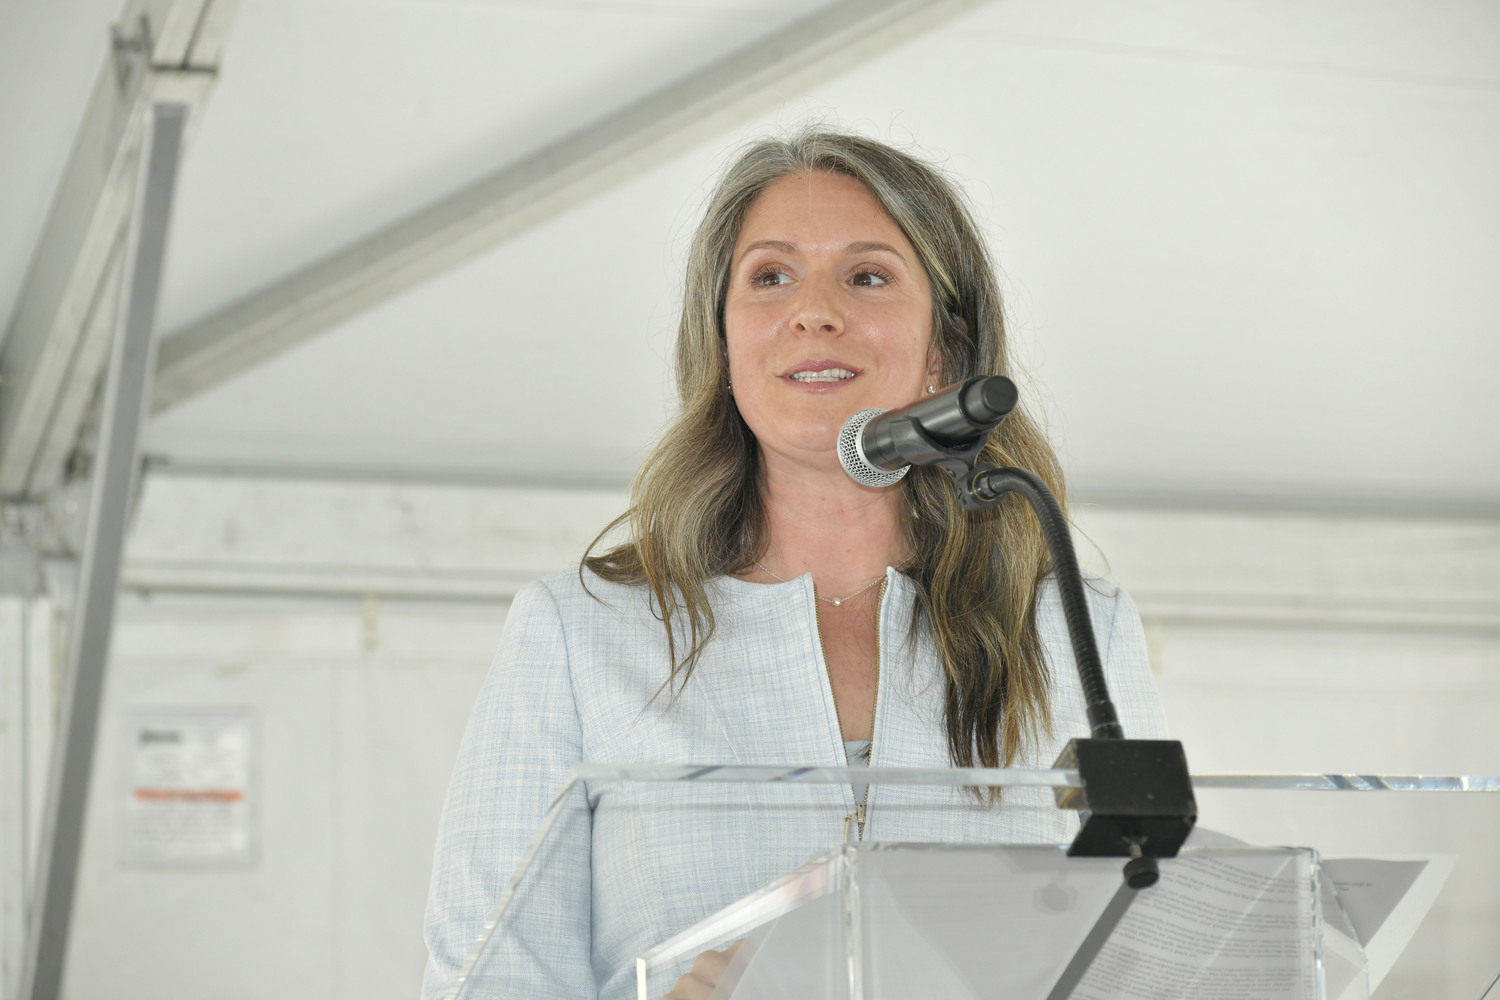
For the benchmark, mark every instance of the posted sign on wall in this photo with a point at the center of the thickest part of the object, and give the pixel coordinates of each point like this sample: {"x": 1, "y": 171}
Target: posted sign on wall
{"x": 189, "y": 795}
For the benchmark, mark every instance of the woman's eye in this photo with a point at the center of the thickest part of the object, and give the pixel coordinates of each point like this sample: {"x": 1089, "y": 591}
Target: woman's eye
{"x": 770, "y": 278}
{"x": 870, "y": 279}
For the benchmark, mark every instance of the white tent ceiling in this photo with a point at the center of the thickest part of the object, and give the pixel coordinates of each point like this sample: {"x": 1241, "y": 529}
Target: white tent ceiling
{"x": 1251, "y": 248}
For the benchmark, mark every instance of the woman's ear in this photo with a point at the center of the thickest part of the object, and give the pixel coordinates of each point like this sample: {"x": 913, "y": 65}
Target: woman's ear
{"x": 935, "y": 379}
{"x": 936, "y": 374}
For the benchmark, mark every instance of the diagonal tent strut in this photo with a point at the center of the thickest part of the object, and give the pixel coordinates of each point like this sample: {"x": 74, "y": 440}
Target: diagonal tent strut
{"x": 57, "y": 343}
{"x": 524, "y": 194}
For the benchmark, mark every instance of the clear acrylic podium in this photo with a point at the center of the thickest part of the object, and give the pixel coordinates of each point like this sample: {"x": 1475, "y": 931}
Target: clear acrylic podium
{"x": 1293, "y": 886}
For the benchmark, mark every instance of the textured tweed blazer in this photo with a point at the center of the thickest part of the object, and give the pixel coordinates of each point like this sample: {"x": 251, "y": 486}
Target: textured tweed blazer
{"x": 575, "y": 679}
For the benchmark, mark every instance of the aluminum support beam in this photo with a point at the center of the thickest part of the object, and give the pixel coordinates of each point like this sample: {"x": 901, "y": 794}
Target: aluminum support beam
{"x": 56, "y": 345}
{"x": 127, "y": 390}
{"x": 519, "y": 196}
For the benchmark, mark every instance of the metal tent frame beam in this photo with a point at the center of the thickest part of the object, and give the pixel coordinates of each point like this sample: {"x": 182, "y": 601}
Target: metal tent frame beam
{"x": 56, "y": 347}
{"x": 521, "y": 195}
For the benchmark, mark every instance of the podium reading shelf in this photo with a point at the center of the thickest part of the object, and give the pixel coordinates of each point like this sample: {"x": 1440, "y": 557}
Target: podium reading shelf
{"x": 1367, "y": 887}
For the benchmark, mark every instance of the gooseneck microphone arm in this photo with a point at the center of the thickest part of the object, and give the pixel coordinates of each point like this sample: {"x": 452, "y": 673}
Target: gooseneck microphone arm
{"x": 990, "y": 485}
{"x": 1137, "y": 799}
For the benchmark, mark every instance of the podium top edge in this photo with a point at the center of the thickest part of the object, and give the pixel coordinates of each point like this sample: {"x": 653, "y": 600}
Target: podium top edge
{"x": 997, "y": 777}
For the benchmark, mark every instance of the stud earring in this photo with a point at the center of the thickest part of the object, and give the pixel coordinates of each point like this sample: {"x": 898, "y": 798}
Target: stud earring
{"x": 931, "y": 389}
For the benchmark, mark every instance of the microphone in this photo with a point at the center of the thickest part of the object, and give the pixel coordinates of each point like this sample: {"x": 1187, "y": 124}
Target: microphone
{"x": 876, "y": 447}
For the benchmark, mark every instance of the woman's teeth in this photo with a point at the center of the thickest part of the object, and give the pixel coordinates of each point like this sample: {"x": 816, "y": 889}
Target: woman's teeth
{"x": 826, "y": 375}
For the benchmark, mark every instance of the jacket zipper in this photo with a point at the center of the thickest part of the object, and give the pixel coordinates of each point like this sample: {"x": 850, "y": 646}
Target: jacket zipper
{"x": 860, "y": 813}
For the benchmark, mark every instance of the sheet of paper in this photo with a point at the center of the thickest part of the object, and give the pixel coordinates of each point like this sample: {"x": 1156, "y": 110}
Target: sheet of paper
{"x": 1386, "y": 898}
{"x": 1221, "y": 925}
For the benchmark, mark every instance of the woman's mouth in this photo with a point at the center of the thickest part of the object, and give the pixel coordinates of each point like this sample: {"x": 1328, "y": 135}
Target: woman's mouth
{"x": 822, "y": 375}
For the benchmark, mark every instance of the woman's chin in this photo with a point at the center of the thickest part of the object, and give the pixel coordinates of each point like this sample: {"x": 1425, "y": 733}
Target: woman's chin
{"x": 812, "y": 452}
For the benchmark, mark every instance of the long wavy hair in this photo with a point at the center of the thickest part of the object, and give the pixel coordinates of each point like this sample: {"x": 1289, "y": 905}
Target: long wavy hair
{"x": 697, "y": 509}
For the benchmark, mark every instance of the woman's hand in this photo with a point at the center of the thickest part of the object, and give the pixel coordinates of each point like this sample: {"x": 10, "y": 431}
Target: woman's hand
{"x": 708, "y": 968}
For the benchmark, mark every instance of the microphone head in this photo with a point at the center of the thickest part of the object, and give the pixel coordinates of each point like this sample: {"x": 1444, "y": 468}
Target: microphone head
{"x": 852, "y": 454}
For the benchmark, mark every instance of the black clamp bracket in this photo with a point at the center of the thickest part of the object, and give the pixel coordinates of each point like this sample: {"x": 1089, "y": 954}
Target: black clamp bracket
{"x": 1136, "y": 800}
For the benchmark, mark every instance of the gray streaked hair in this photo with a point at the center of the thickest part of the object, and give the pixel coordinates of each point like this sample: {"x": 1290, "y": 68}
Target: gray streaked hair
{"x": 696, "y": 505}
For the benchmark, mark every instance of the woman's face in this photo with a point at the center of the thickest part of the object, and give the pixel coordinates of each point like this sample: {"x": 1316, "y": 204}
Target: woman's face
{"x": 828, "y": 312}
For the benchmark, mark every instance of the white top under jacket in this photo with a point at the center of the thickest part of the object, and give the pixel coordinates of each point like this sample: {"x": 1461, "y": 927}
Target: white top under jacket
{"x": 574, "y": 680}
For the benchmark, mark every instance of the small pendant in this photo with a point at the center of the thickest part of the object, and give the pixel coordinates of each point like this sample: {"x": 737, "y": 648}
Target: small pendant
{"x": 835, "y": 601}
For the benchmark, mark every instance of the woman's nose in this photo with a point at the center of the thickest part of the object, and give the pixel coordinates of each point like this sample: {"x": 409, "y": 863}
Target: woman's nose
{"x": 817, "y": 310}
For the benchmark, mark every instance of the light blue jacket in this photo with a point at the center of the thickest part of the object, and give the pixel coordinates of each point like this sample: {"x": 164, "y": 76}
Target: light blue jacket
{"x": 629, "y": 866}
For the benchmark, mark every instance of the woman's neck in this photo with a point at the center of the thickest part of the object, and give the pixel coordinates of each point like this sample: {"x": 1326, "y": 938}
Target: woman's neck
{"x": 821, "y": 521}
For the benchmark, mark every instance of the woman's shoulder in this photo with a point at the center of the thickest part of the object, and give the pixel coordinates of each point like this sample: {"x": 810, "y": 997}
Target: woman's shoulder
{"x": 578, "y": 595}
{"x": 593, "y": 616}
{"x": 597, "y": 621}
{"x": 580, "y": 590}
{"x": 574, "y": 627}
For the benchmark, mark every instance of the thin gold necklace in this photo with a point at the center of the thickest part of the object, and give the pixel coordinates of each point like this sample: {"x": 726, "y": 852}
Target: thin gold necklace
{"x": 835, "y": 601}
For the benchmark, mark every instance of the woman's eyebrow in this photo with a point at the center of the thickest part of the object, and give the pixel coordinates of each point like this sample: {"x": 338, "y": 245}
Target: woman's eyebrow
{"x": 866, "y": 246}
{"x": 861, "y": 246}
{"x": 780, "y": 246}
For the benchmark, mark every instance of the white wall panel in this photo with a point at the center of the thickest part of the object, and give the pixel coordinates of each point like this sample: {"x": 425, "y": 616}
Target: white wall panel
{"x": 142, "y": 933}
{"x": 1336, "y": 701}
{"x": 399, "y": 720}
{"x": 353, "y": 752}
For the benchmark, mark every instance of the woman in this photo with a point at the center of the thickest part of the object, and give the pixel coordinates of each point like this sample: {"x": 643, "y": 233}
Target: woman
{"x": 766, "y": 609}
